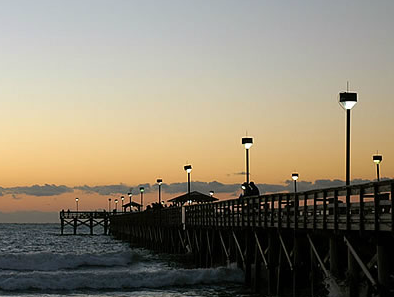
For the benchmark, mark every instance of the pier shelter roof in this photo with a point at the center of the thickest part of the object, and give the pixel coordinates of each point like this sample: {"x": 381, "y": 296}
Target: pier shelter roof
{"x": 193, "y": 197}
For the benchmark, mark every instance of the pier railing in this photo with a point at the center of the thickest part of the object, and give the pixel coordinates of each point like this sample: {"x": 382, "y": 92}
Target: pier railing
{"x": 357, "y": 207}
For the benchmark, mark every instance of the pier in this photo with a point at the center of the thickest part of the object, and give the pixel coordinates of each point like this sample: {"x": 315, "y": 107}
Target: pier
{"x": 89, "y": 219}
{"x": 286, "y": 243}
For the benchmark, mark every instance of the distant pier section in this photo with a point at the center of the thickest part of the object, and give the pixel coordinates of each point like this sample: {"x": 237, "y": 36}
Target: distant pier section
{"x": 89, "y": 219}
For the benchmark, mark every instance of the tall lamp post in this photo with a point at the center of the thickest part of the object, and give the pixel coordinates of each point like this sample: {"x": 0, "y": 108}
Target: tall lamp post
{"x": 377, "y": 159}
{"x": 142, "y": 189}
{"x": 294, "y": 176}
{"x": 130, "y": 196}
{"x": 109, "y": 204}
{"x": 159, "y": 181}
{"x": 247, "y": 142}
{"x": 347, "y": 100}
{"x": 122, "y": 197}
{"x": 188, "y": 169}
{"x": 76, "y": 201}
{"x": 116, "y": 205}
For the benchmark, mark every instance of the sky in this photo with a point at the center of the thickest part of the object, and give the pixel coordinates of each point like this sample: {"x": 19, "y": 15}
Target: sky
{"x": 119, "y": 93}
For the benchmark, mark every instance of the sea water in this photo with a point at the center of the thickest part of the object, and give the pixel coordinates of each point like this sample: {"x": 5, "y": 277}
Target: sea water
{"x": 35, "y": 260}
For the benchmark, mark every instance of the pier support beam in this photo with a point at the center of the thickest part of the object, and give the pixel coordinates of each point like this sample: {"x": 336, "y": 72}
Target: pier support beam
{"x": 334, "y": 257}
{"x": 273, "y": 248}
{"x": 383, "y": 251}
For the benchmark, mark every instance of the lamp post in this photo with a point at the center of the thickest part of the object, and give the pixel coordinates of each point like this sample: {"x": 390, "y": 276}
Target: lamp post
{"x": 377, "y": 159}
{"x": 188, "y": 169}
{"x": 294, "y": 176}
{"x": 347, "y": 100}
{"x": 247, "y": 142}
{"x": 116, "y": 205}
{"x": 76, "y": 201}
{"x": 122, "y": 197}
{"x": 109, "y": 204}
{"x": 159, "y": 181}
{"x": 142, "y": 197}
{"x": 130, "y": 196}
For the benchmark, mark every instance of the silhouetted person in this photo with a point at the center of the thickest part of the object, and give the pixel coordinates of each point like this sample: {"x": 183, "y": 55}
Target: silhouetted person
{"x": 254, "y": 190}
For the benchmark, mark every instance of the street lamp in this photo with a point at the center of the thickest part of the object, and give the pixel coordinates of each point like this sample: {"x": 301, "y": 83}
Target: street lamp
{"x": 294, "y": 176}
{"x": 116, "y": 205}
{"x": 109, "y": 204}
{"x": 377, "y": 159}
{"x": 211, "y": 193}
{"x": 347, "y": 100}
{"x": 188, "y": 169}
{"x": 122, "y": 197}
{"x": 76, "y": 201}
{"x": 130, "y": 196}
{"x": 159, "y": 181}
{"x": 247, "y": 142}
{"x": 142, "y": 197}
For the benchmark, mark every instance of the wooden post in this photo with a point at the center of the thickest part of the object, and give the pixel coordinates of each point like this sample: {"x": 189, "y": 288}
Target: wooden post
{"x": 383, "y": 251}
{"x": 105, "y": 225}
{"x": 353, "y": 278}
{"x": 273, "y": 247}
{"x": 257, "y": 270}
{"x": 75, "y": 225}
{"x": 334, "y": 260}
{"x": 61, "y": 226}
{"x": 91, "y": 226}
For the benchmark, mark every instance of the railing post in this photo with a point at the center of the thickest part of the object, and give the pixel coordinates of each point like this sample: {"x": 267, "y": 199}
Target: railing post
{"x": 324, "y": 210}
{"x": 305, "y": 210}
{"x": 280, "y": 211}
{"x": 265, "y": 211}
{"x": 361, "y": 210}
{"x": 376, "y": 206}
{"x": 259, "y": 212}
{"x": 348, "y": 206}
{"x": 392, "y": 207}
{"x": 295, "y": 211}
{"x": 314, "y": 210}
{"x": 336, "y": 210}
{"x": 288, "y": 210}
{"x": 272, "y": 210}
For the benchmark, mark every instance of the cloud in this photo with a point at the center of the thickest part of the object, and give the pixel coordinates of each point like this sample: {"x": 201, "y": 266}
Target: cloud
{"x": 104, "y": 190}
{"x": 204, "y": 187}
{"x": 239, "y": 173}
{"x": 37, "y": 190}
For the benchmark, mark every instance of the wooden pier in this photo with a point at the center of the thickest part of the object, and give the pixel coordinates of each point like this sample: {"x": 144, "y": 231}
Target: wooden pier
{"x": 89, "y": 219}
{"x": 287, "y": 244}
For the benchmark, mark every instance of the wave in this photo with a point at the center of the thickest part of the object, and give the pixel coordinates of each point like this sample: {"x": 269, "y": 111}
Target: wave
{"x": 52, "y": 261}
{"x": 67, "y": 280}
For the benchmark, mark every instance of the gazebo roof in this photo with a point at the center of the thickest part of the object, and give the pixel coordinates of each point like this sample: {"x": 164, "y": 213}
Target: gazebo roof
{"x": 194, "y": 197}
{"x": 135, "y": 204}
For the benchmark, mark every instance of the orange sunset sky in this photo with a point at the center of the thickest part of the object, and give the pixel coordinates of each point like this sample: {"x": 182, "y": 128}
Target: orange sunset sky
{"x": 103, "y": 94}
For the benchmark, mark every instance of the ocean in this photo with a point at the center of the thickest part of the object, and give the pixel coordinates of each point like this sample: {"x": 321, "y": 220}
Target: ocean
{"x": 35, "y": 260}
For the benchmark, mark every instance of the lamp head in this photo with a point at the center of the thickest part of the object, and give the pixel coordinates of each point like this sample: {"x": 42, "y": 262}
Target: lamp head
{"x": 377, "y": 159}
{"x": 142, "y": 189}
{"x": 122, "y": 198}
{"x": 130, "y": 194}
{"x": 159, "y": 181}
{"x": 77, "y": 199}
{"x": 116, "y": 201}
{"x": 294, "y": 176}
{"x": 109, "y": 199}
{"x": 211, "y": 193}
{"x": 347, "y": 100}
{"x": 188, "y": 168}
{"x": 243, "y": 186}
{"x": 247, "y": 142}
